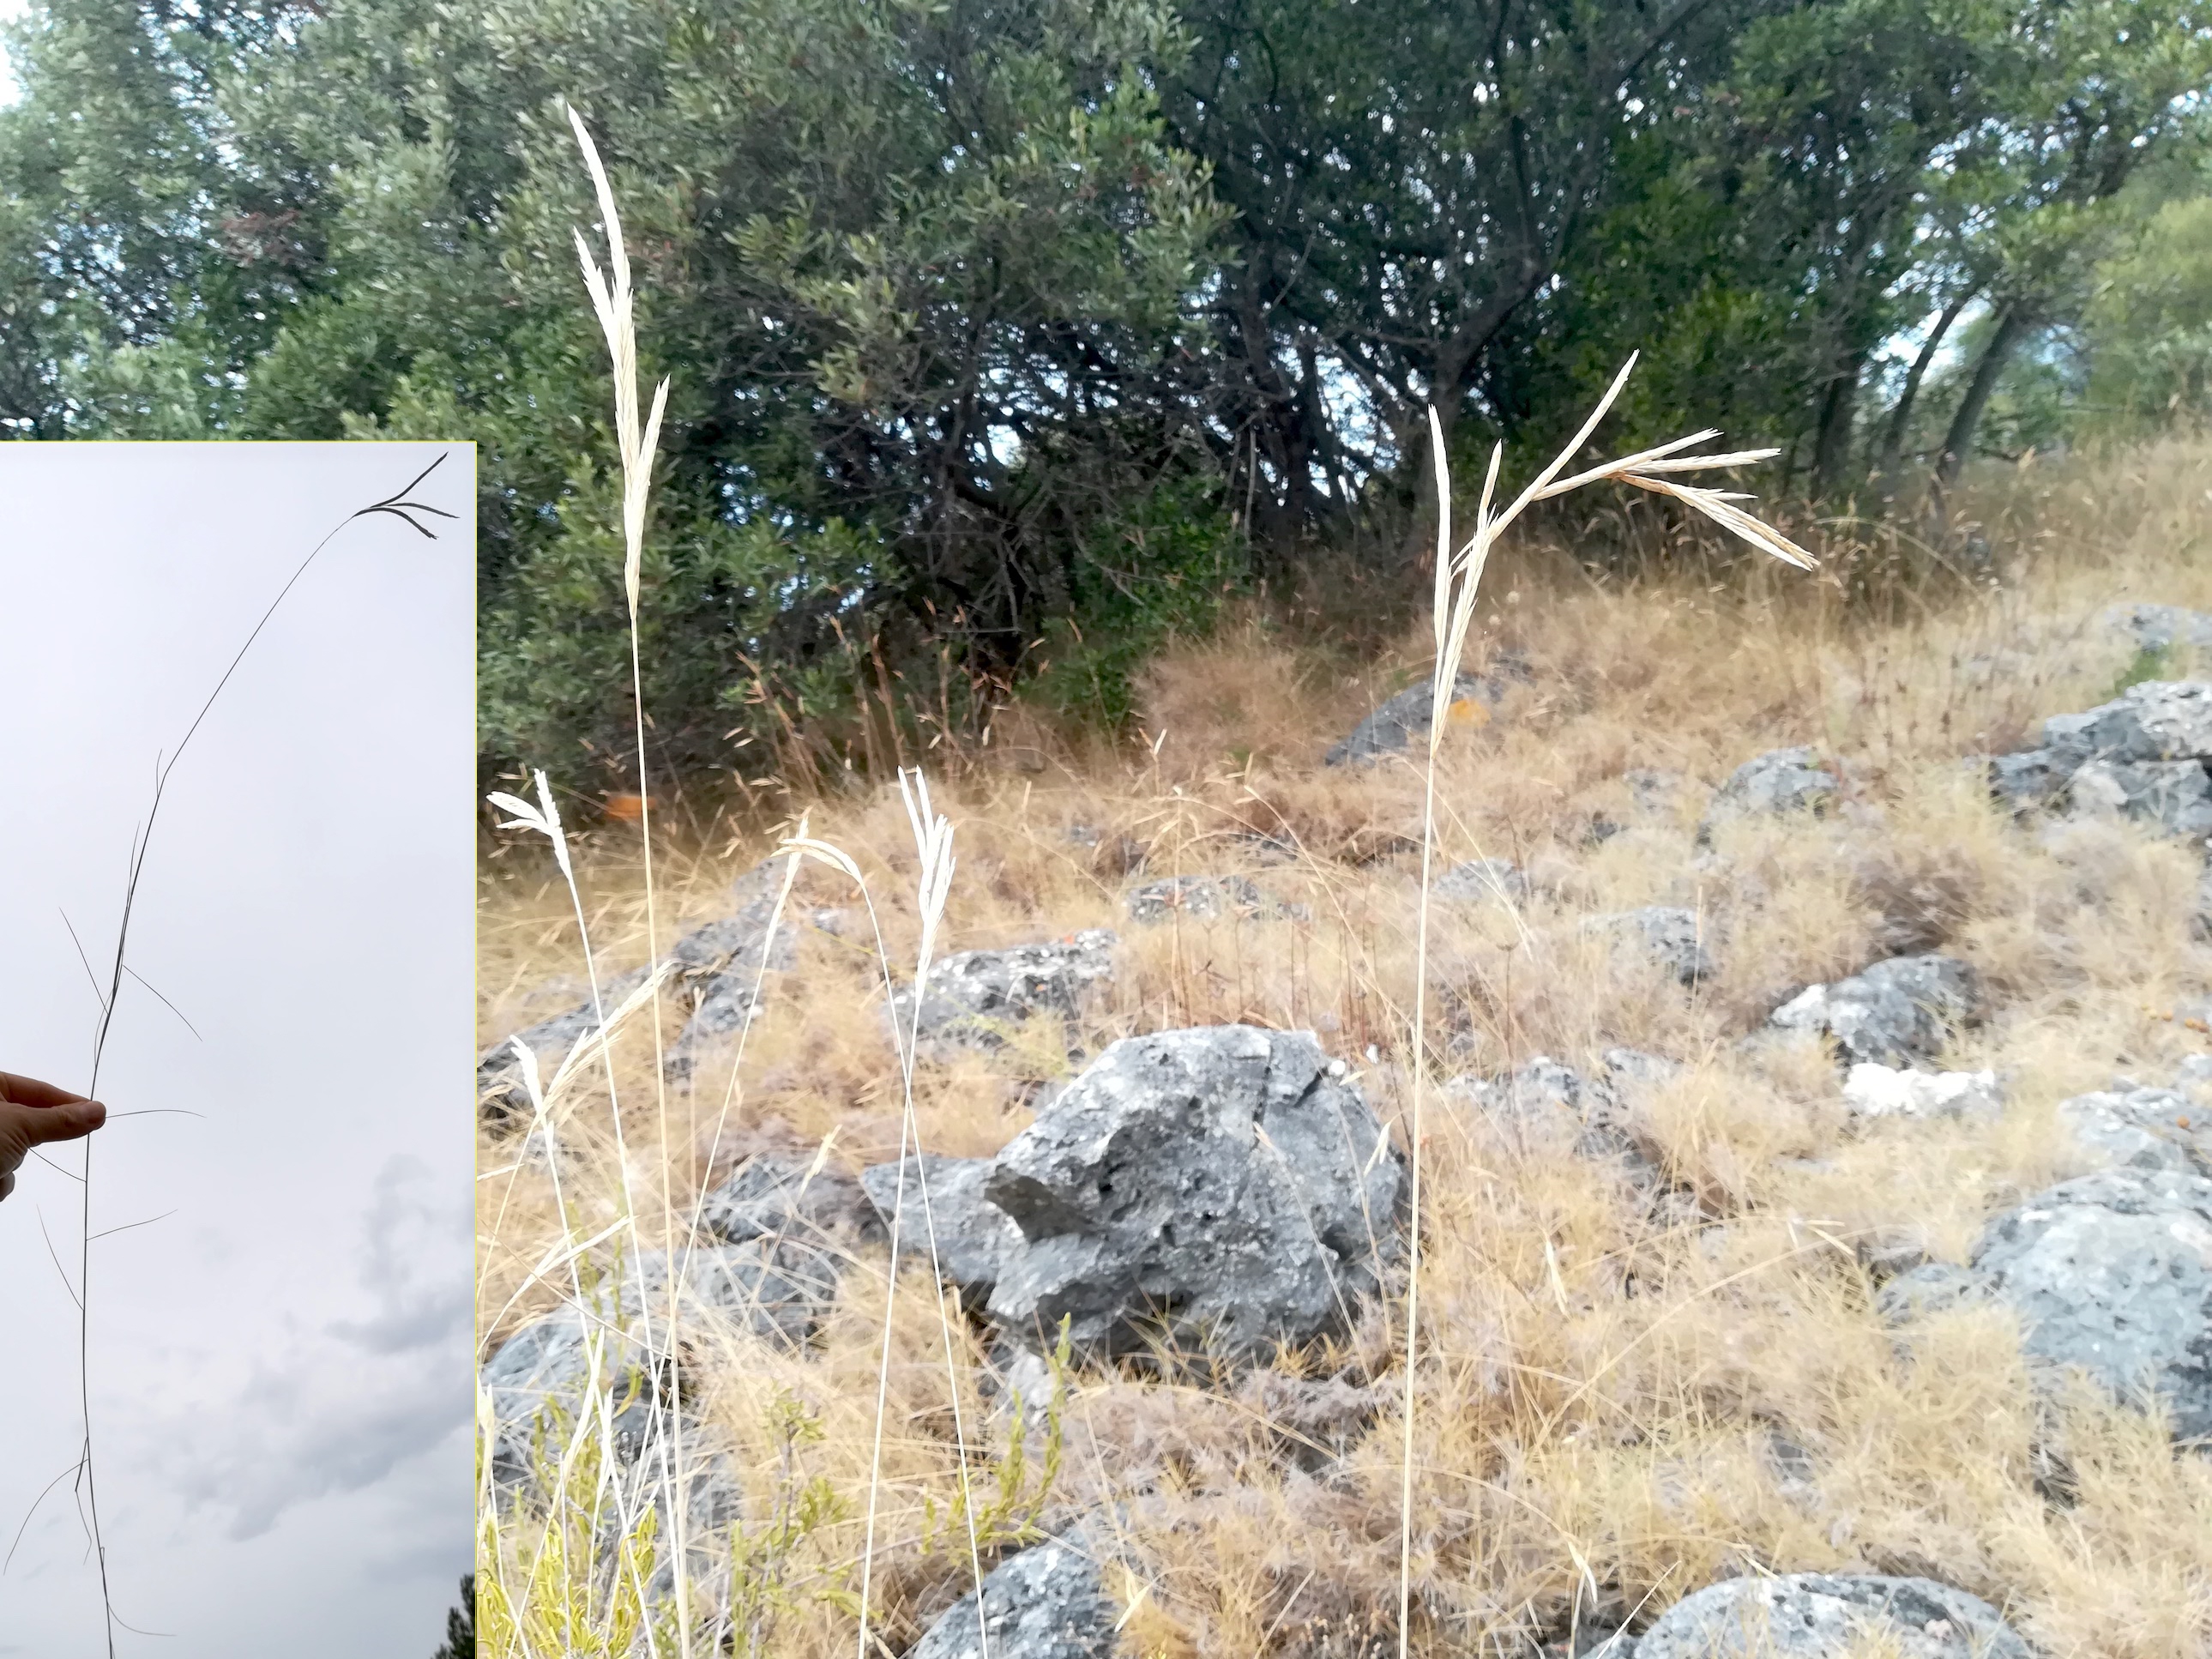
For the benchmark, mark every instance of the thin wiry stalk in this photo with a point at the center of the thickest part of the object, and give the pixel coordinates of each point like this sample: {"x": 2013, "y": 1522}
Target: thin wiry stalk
{"x": 399, "y": 505}
{"x": 545, "y": 819}
{"x": 933, "y": 835}
{"x": 613, "y": 301}
{"x": 1458, "y": 578}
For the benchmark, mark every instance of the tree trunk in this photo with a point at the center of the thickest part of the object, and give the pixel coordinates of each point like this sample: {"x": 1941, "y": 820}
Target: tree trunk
{"x": 1447, "y": 391}
{"x": 2012, "y": 326}
{"x": 1900, "y": 418}
{"x": 1831, "y": 445}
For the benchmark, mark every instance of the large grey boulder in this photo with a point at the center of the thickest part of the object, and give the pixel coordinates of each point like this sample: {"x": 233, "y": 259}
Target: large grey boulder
{"x": 2156, "y": 721}
{"x": 1781, "y": 780}
{"x": 2030, "y": 779}
{"x": 1669, "y": 936}
{"x": 1818, "y": 1615}
{"x": 547, "y": 1365}
{"x": 1896, "y": 1012}
{"x": 2176, "y": 795}
{"x": 1391, "y": 728}
{"x": 1046, "y": 1602}
{"x": 2143, "y": 1129}
{"x": 2112, "y": 1273}
{"x": 1224, "y": 1189}
{"x": 2142, "y": 756}
{"x": 2161, "y": 627}
{"x": 717, "y": 965}
{"x": 978, "y": 997}
{"x": 972, "y": 1237}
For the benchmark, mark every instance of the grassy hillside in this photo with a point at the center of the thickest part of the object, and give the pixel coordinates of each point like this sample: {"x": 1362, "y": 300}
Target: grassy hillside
{"x": 1613, "y": 1407}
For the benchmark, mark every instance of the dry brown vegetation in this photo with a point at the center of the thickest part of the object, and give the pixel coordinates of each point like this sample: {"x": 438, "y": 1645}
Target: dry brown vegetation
{"x": 1611, "y": 1411}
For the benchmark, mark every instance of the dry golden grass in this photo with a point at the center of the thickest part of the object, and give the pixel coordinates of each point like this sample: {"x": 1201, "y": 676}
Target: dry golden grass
{"x": 1610, "y": 1410}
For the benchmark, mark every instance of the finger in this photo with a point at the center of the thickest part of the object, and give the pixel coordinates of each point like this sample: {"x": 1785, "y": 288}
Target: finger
{"x": 7, "y": 1183}
{"x": 29, "y": 1092}
{"x": 72, "y": 1121}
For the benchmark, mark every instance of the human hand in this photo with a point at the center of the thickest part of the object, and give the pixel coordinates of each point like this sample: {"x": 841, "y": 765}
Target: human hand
{"x": 33, "y": 1113}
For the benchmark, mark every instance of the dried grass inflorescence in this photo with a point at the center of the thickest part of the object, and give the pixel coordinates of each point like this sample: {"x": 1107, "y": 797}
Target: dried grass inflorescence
{"x": 1611, "y": 1402}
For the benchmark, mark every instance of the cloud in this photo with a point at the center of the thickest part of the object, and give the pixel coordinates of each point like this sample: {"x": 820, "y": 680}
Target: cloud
{"x": 348, "y": 1401}
{"x": 407, "y": 1264}
{"x": 285, "y": 1447}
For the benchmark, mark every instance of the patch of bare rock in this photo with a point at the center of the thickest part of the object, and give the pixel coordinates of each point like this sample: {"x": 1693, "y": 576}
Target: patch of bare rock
{"x": 1810, "y": 1616}
{"x": 1391, "y": 728}
{"x": 720, "y": 968}
{"x": 2110, "y": 1274}
{"x": 1897, "y": 1013}
{"x": 2141, "y": 757}
{"x": 977, "y": 997}
{"x": 1216, "y": 1190}
{"x": 1772, "y": 785}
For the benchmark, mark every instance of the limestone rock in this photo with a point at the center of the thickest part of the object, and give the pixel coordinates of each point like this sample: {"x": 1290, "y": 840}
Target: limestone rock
{"x": 783, "y": 1197}
{"x": 1204, "y": 898}
{"x": 2176, "y": 795}
{"x": 974, "y": 1236}
{"x": 2143, "y": 1129}
{"x": 2112, "y": 1273}
{"x": 1781, "y": 780}
{"x": 1047, "y": 1602}
{"x": 1226, "y": 1187}
{"x": 2030, "y": 779}
{"x": 1876, "y": 1090}
{"x": 1669, "y": 936}
{"x": 1392, "y": 727}
{"x": 977, "y": 997}
{"x": 762, "y": 1289}
{"x": 1895, "y": 1013}
{"x": 2156, "y": 721}
{"x": 1812, "y": 1615}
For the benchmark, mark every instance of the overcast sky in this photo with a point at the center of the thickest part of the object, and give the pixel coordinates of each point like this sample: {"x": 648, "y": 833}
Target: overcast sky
{"x": 280, "y": 1368}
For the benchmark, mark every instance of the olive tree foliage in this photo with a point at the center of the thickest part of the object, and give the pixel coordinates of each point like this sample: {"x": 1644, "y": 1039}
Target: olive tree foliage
{"x": 918, "y": 272}
{"x": 1796, "y": 247}
{"x": 2103, "y": 87}
{"x": 1406, "y": 178}
{"x": 144, "y": 263}
{"x": 1777, "y": 221}
{"x": 1006, "y": 336}
{"x": 2146, "y": 335}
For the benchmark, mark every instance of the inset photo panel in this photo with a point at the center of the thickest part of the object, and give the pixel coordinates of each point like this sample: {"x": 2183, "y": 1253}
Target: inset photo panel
{"x": 238, "y": 748}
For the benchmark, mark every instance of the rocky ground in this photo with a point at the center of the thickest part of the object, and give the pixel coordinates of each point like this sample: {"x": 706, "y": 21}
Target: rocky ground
{"x": 1815, "y": 1154}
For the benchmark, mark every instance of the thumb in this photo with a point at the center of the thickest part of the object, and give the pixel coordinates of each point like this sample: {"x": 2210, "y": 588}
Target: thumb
{"x": 70, "y": 1122}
